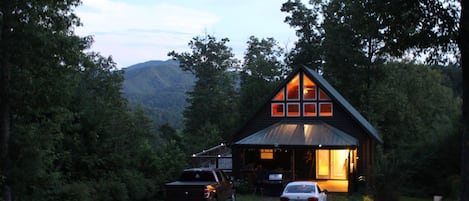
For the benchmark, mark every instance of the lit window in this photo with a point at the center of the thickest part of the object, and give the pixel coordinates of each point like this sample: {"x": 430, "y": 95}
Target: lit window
{"x": 323, "y": 95}
{"x": 293, "y": 88}
{"x": 309, "y": 89}
{"x": 332, "y": 164}
{"x": 293, "y": 109}
{"x": 267, "y": 154}
{"x": 325, "y": 109}
{"x": 280, "y": 96}
{"x": 309, "y": 109}
{"x": 277, "y": 110}
{"x": 301, "y": 97}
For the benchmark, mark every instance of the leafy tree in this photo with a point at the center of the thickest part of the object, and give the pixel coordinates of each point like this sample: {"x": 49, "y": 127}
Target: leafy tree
{"x": 66, "y": 132}
{"x": 307, "y": 50}
{"x": 349, "y": 51}
{"x": 260, "y": 73}
{"x": 415, "y": 113}
{"x": 463, "y": 44}
{"x": 212, "y": 102}
{"x": 33, "y": 65}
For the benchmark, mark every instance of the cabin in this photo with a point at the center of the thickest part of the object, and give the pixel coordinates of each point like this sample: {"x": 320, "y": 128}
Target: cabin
{"x": 306, "y": 130}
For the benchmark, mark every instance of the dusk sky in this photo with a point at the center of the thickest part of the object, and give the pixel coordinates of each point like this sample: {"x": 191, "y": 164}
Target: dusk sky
{"x": 135, "y": 31}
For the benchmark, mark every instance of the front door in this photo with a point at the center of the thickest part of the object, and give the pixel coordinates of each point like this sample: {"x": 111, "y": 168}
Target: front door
{"x": 331, "y": 163}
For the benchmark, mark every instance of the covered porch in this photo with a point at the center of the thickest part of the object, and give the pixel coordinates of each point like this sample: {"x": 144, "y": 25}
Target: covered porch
{"x": 296, "y": 150}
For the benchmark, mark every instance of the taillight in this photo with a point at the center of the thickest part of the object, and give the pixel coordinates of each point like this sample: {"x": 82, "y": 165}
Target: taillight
{"x": 209, "y": 189}
{"x": 313, "y": 199}
{"x": 284, "y": 199}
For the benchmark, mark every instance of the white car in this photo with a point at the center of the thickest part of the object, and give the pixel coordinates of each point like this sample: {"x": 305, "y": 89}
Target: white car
{"x": 303, "y": 191}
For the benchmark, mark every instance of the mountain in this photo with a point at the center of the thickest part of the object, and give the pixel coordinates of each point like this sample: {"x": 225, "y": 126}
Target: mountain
{"x": 160, "y": 87}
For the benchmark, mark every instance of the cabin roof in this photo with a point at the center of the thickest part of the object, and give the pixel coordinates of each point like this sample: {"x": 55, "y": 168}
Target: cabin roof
{"x": 297, "y": 132}
{"x": 344, "y": 103}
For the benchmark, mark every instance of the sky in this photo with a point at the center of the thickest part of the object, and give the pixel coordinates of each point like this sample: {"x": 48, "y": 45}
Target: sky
{"x": 135, "y": 31}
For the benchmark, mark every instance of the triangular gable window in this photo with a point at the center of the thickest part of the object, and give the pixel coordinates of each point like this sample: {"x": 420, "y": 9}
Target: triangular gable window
{"x": 301, "y": 97}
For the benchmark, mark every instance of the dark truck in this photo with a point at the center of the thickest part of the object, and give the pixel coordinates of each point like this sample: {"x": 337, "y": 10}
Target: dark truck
{"x": 204, "y": 184}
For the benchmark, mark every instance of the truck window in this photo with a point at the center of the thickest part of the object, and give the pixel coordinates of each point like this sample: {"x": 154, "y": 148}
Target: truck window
{"x": 196, "y": 176}
{"x": 220, "y": 176}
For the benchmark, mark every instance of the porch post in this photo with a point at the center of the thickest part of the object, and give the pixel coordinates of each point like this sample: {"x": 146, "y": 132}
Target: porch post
{"x": 293, "y": 165}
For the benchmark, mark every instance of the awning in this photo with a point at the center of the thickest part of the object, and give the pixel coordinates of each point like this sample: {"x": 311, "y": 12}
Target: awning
{"x": 316, "y": 133}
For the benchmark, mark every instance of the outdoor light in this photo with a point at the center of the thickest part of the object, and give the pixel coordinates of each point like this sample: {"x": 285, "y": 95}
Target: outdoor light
{"x": 320, "y": 145}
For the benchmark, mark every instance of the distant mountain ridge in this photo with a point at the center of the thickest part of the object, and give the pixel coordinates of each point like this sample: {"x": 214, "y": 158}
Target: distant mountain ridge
{"x": 160, "y": 87}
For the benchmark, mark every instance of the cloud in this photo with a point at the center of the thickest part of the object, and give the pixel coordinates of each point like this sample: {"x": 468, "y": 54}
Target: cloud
{"x": 143, "y": 31}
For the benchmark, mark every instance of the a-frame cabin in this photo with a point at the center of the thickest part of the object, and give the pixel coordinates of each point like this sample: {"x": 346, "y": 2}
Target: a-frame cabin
{"x": 306, "y": 131}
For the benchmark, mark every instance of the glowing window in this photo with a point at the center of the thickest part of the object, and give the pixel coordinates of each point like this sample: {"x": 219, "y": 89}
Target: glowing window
{"x": 293, "y": 88}
{"x": 325, "y": 109}
{"x": 323, "y": 95}
{"x": 277, "y": 110}
{"x": 332, "y": 164}
{"x": 301, "y": 97}
{"x": 280, "y": 96}
{"x": 293, "y": 109}
{"x": 267, "y": 153}
{"x": 322, "y": 164}
{"x": 309, "y": 109}
{"x": 309, "y": 89}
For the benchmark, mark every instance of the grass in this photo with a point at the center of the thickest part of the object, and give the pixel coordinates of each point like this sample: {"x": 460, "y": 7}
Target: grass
{"x": 330, "y": 197}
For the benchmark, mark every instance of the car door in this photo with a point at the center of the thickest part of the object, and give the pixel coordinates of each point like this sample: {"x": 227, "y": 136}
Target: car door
{"x": 222, "y": 186}
{"x": 322, "y": 194}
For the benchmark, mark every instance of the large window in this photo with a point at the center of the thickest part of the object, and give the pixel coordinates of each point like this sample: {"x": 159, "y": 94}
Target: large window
{"x": 301, "y": 97}
{"x": 332, "y": 164}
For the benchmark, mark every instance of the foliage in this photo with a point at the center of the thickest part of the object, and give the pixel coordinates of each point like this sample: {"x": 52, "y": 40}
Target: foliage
{"x": 212, "y": 101}
{"x": 416, "y": 115}
{"x": 307, "y": 50}
{"x": 72, "y": 136}
{"x": 260, "y": 74}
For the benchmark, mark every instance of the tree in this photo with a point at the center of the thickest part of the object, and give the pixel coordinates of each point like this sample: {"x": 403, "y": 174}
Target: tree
{"x": 415, "y": 112}
{"x": 463, "y": 43}
{"x": 260, "y": 73}
{"x": 66, "y": 131}
{"x": 212, "y": 101}
{"x": 307, "y": 50}
{"x": 32, "y": 38}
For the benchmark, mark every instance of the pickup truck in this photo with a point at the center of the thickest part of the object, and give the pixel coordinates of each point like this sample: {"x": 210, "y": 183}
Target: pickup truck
{"x": 200, "y": 184}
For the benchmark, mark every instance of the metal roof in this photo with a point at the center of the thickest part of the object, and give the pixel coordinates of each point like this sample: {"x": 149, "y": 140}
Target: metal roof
{"x": 344, "y": 103}
{"x": 311, "y": 133}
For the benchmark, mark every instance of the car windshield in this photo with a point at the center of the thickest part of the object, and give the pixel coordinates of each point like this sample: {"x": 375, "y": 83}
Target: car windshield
{"x": 196, "y": 176}
{"x": 300, "y": 189}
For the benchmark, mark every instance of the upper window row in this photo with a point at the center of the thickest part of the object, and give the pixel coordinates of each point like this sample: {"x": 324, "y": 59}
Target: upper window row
{"x": 301, "y": 89}
{"x": 310, "y": 90}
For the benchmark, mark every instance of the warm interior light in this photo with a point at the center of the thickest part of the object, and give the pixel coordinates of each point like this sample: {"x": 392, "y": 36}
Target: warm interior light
{"x": 280, "y": 96}
{"x": 293, "y": 109}
{"x": 293, "y": 88}
{"x": 325, "y": 109}
{"x": 277, "y": 110}
{"x": 309, "y": 109}
{"x": 309, "y": 88}
{"x": 267, "y": 153}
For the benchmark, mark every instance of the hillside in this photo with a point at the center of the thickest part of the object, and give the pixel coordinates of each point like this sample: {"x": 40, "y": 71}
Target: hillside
{"x": 160, "y": 87}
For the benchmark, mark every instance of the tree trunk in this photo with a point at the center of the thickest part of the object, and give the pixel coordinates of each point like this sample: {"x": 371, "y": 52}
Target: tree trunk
{"x": 464, "y": 48}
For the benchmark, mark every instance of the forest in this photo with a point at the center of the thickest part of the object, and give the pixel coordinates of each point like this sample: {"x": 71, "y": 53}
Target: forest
{"x": 67, "y": 133}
